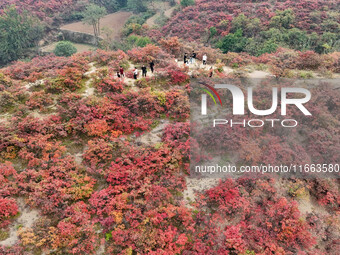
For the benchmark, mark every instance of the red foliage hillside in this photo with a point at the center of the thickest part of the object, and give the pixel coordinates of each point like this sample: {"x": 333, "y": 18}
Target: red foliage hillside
{"x": 194, "y": 21}
{"x": 78, "y": 159}
{"x": 44, "y": 9}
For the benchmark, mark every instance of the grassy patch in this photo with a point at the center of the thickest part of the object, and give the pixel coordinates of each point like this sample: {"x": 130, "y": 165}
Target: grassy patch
{"x": 3, "y": 235}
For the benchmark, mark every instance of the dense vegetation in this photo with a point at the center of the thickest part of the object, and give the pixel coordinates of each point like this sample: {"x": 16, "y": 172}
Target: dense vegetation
{"x": 130, "y": 196}
{"x": 64, "y": 49}
{"x": 72, "y": 135}
{"x": 19, "y": 31}
{"x": 261, "y": 26}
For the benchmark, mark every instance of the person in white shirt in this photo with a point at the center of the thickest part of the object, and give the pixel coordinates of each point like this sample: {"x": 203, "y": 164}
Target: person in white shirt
{"x": 135, "y": 73}
{"x": 205, "y": 58}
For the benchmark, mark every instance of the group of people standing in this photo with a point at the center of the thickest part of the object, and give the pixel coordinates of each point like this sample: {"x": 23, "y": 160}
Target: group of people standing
{"x": 192, "y": 60}
{"x": 121, "y": 73}
{"x": 187, "y": 59}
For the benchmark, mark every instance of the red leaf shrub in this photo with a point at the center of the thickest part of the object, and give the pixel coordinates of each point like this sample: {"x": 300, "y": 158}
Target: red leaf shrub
{"x": 177, "y": 77}
{"x": 75, "y": 234}
{"x": 55, "y": 184}
{"x": 171, "y": 45}
{"x": 78, "y": 113}
{"x": 177, "y": 136}
{"x": 113, "y": 59}
{"x": 308, "y": 60}
{"x": 39, "y": 100}
{"x": 108, "y": 84}
{"x": 8, "y": 177}
{"x": 42, "y": 8}
{"x": 261, "y": 222}
{"x": 177, "y": 105}
{"x": 8, "y": 208}
{"x": 99, "y": 154}
{"x": 68, "y": 78}
{"x": 46, "y": 67}
{"x": 148, "y": 53}
{"x": 332, "y": 62}
{"x": 234, "y": 59}
{"x": 194, "y": 22}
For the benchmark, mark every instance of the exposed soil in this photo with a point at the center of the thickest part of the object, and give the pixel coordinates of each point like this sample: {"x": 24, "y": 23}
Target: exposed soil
{"x": 80, "y": 47}
{"x": 195, "y": 186}
{"x": 160, "y": 8}
{"x": 114, "y": 21}
{"x": 26, "y": 219}
{"x": 154, "y": 136}
{"x": 88, "y": 89}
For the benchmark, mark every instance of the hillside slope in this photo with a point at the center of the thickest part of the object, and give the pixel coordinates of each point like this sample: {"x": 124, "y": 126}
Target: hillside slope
{"x": 102, "y": 164}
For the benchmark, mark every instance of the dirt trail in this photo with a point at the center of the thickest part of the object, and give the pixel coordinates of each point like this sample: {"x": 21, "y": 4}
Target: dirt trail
{"x": 26, "y": 219}
{"x": 154, "y": 136}
{"x": 195, "y": 186}
{"x": 168, "y": 13}
{"x": 199, "y": 66}
{"x": 4, "y": 117}
{"x": 28, "y": 86}
{"x": 88, "y": 89}
{"x": 259, "y": 75}
{"x": 164, "y": 8}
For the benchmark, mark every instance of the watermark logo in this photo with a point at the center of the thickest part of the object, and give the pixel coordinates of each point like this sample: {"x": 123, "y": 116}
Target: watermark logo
{"x": 239, "y": 100}
{"x": 204, "y": 98}
{"x": 269, "y": 127}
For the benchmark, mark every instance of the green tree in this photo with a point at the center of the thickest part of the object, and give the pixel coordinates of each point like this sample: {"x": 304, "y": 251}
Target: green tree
{"x": 297, "y": 39}
{"x": 330, "y": 26}
{"x": 18, "y": 31}
{"x": 110, "y": 5}
{"x": 267, "y": 47}
{"x": 139, "y": 41}
{"x": 65, "y": 49}
{"x": 186, "y": 3}
{"x": 212, "y": 32}
{"x": 92, "y": 16}
{"x": 137, "y": 6}
{"x": 234, "y": 42}
{"x": 257, "y": 47}
{"x": 327, "y": 43}
{"x": 239, "y": 22}
{"x": 143, "y": 41}
{"x": 273, "y": 34}
{"x": 249, "y": 26}
{"x": 122, "y": 3}
{"x": 283, "y": 19}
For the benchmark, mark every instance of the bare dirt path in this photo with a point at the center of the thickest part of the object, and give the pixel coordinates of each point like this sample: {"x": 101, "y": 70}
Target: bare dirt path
{"x": 195, "y": 186}
{"x": 26, "y": 219}
{"x": 168, "y": 13}
{"x": 154, "y": 136}
{"x": 88, "y": 89}
{"x": 164, "y": 8}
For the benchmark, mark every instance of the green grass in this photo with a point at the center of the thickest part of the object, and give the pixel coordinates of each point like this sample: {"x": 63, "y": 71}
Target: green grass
{"x": 3, "y": 235}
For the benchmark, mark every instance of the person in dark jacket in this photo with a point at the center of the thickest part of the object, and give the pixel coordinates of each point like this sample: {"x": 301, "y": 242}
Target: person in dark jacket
{"x": 144, "y": 71}
{"x": 185, "y": 58}
{"x": 193, "y": 57}
{"x": 152, "y": 66}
